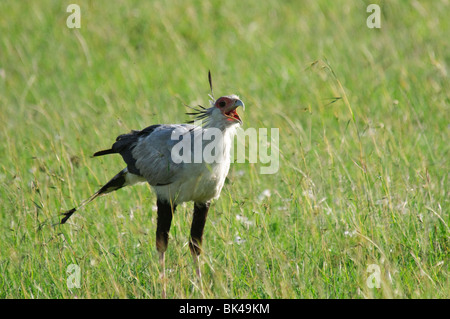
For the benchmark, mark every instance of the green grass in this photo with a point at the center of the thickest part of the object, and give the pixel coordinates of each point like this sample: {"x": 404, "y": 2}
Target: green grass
{"x": 362, "y": 181}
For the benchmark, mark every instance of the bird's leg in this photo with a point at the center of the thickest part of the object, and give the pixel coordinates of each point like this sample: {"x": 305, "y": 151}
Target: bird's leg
{"x": 162, "y": 274}
{"x": 165, "y": 212}
{"x": 198, "y": 224}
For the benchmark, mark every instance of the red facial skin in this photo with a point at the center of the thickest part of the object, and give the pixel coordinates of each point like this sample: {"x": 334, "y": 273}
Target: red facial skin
{"x": 228, "y": 108}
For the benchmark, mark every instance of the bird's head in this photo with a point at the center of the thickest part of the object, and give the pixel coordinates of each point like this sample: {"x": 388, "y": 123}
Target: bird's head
{"x": 225, "y": 109}
{"x": 221, "y": 114}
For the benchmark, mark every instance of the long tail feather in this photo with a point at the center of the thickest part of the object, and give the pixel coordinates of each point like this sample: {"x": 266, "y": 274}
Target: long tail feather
{"x": 105, "y": 152}
{"x": 114, "y": 184}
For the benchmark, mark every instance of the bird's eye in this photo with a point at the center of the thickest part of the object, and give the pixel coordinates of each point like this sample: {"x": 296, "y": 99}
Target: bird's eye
{"x": 222, "y": 103}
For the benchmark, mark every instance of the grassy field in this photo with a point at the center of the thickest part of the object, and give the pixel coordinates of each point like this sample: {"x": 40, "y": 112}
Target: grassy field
{"x": 363, "y": 118}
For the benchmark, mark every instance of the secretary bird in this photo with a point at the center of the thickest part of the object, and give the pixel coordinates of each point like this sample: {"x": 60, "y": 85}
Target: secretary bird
{"x": 149, "y": 157}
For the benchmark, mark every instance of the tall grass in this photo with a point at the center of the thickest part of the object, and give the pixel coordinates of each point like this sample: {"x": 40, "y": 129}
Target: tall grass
{"x": 364, "y": 130}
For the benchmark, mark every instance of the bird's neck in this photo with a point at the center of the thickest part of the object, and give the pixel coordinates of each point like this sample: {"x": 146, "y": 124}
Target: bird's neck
{"x": 225, "y": 126}
{"x": 227, "y": 132}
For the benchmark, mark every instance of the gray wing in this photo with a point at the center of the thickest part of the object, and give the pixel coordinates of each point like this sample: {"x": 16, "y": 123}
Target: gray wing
{"x": 147, "y": 153}
{"x": 152, "y": 154}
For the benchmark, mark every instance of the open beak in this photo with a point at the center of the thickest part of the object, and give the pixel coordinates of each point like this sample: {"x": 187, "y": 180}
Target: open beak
{"x": 239, "y": 103}
{"x": 231, "y": 112}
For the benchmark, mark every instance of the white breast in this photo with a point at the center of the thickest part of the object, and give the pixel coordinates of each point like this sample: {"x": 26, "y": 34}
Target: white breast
{"x": 200, "y": 182}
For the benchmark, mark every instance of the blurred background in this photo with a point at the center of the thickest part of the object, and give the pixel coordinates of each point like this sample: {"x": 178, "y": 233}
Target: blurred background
{"x": 364, "y": 130}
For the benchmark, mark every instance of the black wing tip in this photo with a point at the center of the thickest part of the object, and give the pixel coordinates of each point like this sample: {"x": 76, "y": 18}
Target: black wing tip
{"x": 67, "y": 215}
